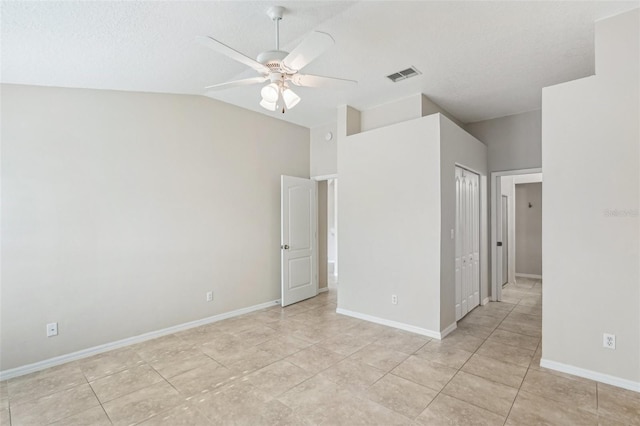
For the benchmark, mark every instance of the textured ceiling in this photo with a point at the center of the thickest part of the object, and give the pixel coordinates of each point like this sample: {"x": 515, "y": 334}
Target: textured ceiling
{"x": 478, "y": 60}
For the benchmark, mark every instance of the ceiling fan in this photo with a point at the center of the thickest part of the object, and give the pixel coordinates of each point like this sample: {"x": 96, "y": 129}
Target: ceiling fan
{"x": 280, "y": 68}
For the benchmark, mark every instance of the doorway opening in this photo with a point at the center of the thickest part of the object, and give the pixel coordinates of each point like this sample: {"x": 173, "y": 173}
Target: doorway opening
{"x": 516, "y": 229}
{"x": 327, "y": 233}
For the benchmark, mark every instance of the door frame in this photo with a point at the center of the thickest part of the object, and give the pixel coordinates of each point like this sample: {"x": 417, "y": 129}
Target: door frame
{"x": 317, "y": 247}
{"x": 481, "y": 233}
{"x": 506, "y": 247}
{"x": 496, "y": 189}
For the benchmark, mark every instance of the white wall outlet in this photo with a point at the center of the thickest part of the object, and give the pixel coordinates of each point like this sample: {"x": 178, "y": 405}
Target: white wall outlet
{"x": 394, "y": 299}
{"x": 609, "y": 341}
{"x": 52, "y": 329}
{"x": 452, "y": 234}
{"x": 209, "y": 296}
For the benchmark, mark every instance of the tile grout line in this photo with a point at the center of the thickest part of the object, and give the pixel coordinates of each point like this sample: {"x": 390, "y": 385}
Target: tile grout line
{"x": 452, "y": 377}
{"x": 474, "y": 353}
{"x": 526, "y": 373}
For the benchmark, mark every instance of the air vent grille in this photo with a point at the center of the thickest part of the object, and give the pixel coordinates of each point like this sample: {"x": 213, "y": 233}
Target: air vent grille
{"x": 403, "y": 75}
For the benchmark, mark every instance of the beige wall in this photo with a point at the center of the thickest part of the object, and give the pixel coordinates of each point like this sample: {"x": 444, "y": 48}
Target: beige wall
{"x": 121, "y": 210}
{"x": 397, "y": 205}
{"x": 389, "y": 219}
{"x": 528, "y": 227}
{"x": 514, "y": 141}
{"x": 591, "y": 198}
{"x": 457, "y": 147}
{"x": 324, "y": 153}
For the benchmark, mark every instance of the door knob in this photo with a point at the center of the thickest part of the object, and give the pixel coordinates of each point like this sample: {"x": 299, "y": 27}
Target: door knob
{"x": 284, "y": 246}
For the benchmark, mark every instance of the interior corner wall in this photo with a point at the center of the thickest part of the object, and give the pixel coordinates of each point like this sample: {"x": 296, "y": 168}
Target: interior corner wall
{"x": 136, "y": 203}
{"x": 389, "y": 218}
{"x": 514, "y": 142}
{"x": 457, "y": 147}
{"x": 324, "y": 153}
{"x": 591, "y": 200}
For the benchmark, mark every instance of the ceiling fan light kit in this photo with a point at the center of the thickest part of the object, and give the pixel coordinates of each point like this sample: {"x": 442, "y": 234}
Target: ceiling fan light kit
{"x": 280, "y": 67}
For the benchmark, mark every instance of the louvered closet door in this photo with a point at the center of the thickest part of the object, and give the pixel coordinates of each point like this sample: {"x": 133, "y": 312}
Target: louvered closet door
{"x": 467, "y": 261}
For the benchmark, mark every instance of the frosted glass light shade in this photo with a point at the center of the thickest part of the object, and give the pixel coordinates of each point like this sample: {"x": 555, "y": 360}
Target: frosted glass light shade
{"x": 271, "y": 106}
{"x": 290, "y": 98}
{"x": 270, "y": 93}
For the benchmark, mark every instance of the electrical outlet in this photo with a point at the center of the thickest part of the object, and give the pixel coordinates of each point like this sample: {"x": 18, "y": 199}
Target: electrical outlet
{"x": 52, "y": 329}
{"x": 209, "y": 296}
{"x": 394, "y": 299}
{"x": 609, "y": 341}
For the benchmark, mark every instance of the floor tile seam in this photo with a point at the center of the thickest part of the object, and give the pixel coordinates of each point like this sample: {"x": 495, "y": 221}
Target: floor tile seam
{"x": 463, "y": 401}
{"x": 492, "y": 380}
{"x": 324, "y": 369}
{"x": 529, "y": 335}
{"x": 161, "y": 412}
{"x": 135, "y": 390}
{"x": 572, "y": 408}
{"x": 64, "y": 389}
{"x": 515, "y": 346}
{"x": 385, "y": 375}
{"x": 475, "y": 405}
{"x": 78, "y": 412}
{"x": 362, "y": 397}
{"x": 522, "y": 381}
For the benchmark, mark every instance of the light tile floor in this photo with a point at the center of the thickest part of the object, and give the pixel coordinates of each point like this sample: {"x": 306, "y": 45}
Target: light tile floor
{"x": 307, "y": 365}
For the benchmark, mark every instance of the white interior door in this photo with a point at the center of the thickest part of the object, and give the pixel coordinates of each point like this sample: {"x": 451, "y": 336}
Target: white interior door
{"x": 467, "y": 261}
{"x": 299, "y": 279}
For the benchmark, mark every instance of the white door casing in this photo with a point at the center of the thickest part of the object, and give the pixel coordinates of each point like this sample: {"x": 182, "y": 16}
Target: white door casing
{"x": 504, "y": 238}
{"x": 298, "y": 239}
{"x": 467, "y": 260}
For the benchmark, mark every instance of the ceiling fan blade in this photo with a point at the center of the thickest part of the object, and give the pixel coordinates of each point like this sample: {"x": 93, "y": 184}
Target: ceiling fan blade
{"x": 219, "y": 47}
{"x": 237, "y": 83}
{"x": 310, "y": 80}
{"x": 310, "y": 48}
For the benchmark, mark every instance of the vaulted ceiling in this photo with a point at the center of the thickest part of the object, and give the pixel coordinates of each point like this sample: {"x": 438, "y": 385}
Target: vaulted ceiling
{"x": 478, "y": 60}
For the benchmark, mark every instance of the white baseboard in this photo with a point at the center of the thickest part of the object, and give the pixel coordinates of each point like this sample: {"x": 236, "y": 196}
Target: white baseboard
{"x": 448, "y": 330}
{"x": 486, "y": 300}
{"x": 84, "y": 353}
{"x": 398, "y": 325}
{"x": 592, "y": 375}
{"x": 323, "y": 289}
{"x": 538, "y": 277}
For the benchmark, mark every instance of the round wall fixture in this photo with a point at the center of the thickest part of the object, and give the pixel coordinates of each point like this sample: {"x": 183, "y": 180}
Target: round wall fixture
{"x": 328, "y": 136}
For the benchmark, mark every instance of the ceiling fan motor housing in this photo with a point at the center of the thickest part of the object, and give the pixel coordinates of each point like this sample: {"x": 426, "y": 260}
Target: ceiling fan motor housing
{"x": 272, "y": 59}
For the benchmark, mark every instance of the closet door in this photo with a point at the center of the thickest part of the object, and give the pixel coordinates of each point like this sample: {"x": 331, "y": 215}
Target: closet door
{"x": 467, "y": 260}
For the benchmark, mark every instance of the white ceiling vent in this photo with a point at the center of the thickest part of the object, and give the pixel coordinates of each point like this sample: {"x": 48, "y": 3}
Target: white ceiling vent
{"x": 403, "y": 75}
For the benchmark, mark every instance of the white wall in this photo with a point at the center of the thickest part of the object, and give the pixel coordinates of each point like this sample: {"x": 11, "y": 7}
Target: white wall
{"x": 457, "y": 147}
{"x": 389, "y": 218}
{"x": 591, "y": 257}
{"x": 121, "y": 210}
{"x": 324, "y": 153}
{"x": 514, "y": 141}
